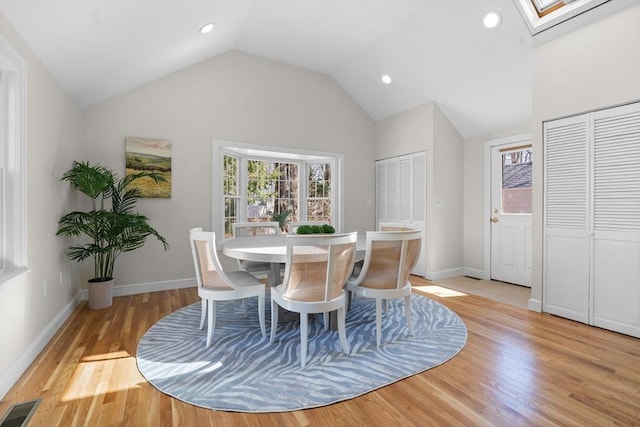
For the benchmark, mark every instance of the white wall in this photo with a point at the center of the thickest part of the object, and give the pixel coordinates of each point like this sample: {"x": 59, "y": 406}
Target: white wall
{"x": 591, "y": 68}
{"x": 426, "y": 128}
{"x": 235, "y": 97}
{"x": 28, "y": 318}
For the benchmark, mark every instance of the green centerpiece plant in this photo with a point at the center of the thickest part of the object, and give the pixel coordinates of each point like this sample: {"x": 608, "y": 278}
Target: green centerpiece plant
{"x": 110, "y": 227}
{"x": 316, "y": 229}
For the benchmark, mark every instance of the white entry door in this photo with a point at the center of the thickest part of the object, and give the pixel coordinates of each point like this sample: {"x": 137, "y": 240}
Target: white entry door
{"x": 511, "y": 167}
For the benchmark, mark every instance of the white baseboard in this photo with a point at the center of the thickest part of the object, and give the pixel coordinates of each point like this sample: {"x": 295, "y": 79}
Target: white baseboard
{"x": 141, "y": 288}
{"x": 15, "y": 371}
{"x": 476, "y": 274}
{"x": 12, "y": 375}
{"x": 443, "y": 274}
{"x": 535, "y": 305}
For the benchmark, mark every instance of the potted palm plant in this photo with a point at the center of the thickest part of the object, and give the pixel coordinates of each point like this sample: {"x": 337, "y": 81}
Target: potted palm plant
{"x": 111, "y": 226}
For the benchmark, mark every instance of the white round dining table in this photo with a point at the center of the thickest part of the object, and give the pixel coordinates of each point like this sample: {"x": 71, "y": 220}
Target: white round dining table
{"x": 271, "y": 249}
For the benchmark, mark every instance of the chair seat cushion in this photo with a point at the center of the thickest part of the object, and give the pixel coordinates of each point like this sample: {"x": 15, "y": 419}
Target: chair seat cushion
{"x": 253, "y": 266}
{"x": 242, "y": 278}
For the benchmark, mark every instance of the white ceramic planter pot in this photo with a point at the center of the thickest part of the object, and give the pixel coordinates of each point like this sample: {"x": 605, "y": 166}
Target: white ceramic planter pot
{"x": 100, "y": 293}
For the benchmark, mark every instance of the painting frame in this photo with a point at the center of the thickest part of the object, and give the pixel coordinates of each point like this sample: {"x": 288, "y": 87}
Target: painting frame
{"x": 143, "y": 154}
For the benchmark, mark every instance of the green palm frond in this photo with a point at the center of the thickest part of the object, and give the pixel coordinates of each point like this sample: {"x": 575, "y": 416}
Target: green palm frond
{"x": 111, "y": 230}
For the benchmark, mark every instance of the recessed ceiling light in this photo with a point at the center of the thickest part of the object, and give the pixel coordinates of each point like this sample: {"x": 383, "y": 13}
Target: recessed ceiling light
{"x": 492, "y": 19}
{"x": 386, "y": 79}
{"x": 206, "y": 28}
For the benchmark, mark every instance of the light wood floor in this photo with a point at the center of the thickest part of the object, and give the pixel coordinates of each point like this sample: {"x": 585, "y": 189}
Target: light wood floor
{"x": 517, "y": 368}
{"x": 500, "y": 291}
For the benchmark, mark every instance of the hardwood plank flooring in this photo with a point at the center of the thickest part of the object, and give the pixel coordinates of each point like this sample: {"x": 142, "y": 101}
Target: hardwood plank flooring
{"x": 518, "y": 368}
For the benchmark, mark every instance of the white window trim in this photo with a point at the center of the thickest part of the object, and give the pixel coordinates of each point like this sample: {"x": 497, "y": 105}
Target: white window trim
{"x": 13, "y": 165}
{"x": 222, "y": 147}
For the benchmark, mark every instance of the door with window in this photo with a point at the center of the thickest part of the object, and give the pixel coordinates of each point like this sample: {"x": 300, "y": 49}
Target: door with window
{"x": 511, "y": 167}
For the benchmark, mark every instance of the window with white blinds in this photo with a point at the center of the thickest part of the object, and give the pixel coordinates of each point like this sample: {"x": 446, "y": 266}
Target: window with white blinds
{"x": 566, "y": 178}
{"x": 616, "y": 166}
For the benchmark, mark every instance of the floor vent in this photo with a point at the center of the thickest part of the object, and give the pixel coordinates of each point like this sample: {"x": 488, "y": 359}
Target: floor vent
{"x": 19, "y": 414}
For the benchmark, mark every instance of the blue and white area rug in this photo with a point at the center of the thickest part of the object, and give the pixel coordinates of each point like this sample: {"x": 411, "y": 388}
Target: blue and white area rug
{"x": 242, "y": 372}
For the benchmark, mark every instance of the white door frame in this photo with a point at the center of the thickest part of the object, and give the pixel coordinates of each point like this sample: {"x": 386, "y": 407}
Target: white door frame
{"x": 522, "y": 138}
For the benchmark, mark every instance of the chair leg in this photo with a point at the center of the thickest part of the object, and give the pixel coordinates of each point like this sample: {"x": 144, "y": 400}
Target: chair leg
{"x": 261, "y": 314}
{"x": 342, "y": 331}
{"x": 407, "y": 313}
{"x": 203, "y": 313}
{"x": 304, "y": 334}
{"x": 325, "y": 319}
{"x": 274, "y": 319}
{"x": 212, "y": 322}
{"x": 378, "y": 321}
{"x": 244, "y": 302}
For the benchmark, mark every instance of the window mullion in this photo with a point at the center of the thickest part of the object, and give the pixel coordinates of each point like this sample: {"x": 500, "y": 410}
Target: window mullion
{"x": 243, "y": 188}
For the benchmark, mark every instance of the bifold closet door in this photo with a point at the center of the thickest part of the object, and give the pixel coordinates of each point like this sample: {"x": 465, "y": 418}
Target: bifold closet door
{"x": 566, "y": 220}
{"x": 401, "y": 196}
{"x": 616, "y": 219}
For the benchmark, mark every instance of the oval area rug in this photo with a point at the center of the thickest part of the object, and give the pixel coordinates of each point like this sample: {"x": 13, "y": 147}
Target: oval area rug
{"x": 242, "y": 372}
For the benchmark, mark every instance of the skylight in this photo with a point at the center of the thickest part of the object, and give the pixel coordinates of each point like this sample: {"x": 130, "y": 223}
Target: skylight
{"x": 540, "y": 15}
{"x": 544, "y": 5}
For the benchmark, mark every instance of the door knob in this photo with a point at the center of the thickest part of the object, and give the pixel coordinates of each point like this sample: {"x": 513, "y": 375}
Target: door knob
{"x": 494, "y": 220}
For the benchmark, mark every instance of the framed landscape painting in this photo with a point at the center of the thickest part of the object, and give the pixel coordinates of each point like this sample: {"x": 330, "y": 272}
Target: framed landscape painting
{"x": 149, "y": 155}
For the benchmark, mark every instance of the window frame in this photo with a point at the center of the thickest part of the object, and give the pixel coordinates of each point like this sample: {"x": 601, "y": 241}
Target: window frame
{"x": 13, "y": 81}
{"x": 538, "y": 23}
{"x": 245, "y": 151}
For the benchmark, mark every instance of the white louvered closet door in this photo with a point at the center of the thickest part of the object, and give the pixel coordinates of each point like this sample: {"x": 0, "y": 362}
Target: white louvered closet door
{"x": 566, "y": 226}
{"x": 616, "y": 219}
{"x": 592, "y": 218}
{"x": 401, "y": 195}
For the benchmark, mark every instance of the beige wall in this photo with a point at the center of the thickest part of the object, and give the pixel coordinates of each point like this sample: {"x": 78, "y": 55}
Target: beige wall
{"x": 475, "y": 194}
{"x": 27, "y": 317}
{"x": 235, "y": 97}
{"x": 444, "y": 223}
{"x": 425, "y": 128}
{"x": 248, "y": 99}
{"x": 591, "y": 68}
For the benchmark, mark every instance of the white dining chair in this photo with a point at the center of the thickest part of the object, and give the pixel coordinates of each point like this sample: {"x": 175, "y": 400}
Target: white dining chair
{"x": 395, "y": 226}
{"x": 254, "y": 229}
{"x": 390, "y": 256}
{"x": 316, "y": 270}
{"x": 215, "y": 284}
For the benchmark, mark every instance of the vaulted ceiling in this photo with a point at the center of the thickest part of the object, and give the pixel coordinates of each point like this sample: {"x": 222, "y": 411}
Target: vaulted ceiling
{"x": 434, "y": 50}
